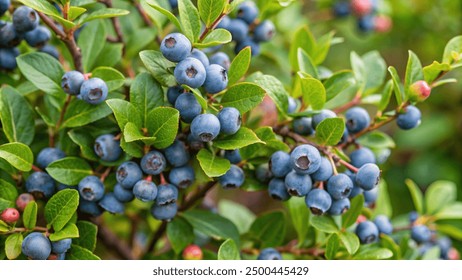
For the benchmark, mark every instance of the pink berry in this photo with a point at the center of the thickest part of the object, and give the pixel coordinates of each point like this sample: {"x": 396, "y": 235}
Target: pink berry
{"x": 192, "y": 252}
{"x": 419, "y": 91}
{"x": 24, "y": 199}
{"x": 382, "y": 24}
{"x": 453, "y": 254}
{"x": 361, "y": 7}
{"x": 360, "y": 219}
{"x": 10, "y": 215}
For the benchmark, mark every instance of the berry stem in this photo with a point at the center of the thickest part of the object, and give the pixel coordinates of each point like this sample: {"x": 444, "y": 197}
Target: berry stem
{"x": 36, "y": 168}
{"x": 105, "y": 174}
{"x": 209, "y": 29}
{"x": 162, "y": 179}
{"x": 348, "y": 165}
{"x": 15, "y": 230}
{"x": 355, "y": 101}
{"x": 332, "y": 162}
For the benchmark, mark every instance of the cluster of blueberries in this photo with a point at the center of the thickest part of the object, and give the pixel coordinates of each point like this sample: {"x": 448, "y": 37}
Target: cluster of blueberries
{"x": 93, "y": 91}
{"x": 24, "y": 26}
{"x": 366, "y": 13}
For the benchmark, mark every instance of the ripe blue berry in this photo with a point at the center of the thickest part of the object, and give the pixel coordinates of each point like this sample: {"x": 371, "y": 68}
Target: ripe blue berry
{"x": 25, "y": 19}
{"x": 298, "y": 184}
{"x": 182, "y": 177}
{"x": 153, "y": 163}
{"x": 362, "y": 156}
{"x": 107, "y": 148}
{"x": 173, "y": 4}
{"x": 318, "y": 201}
{"x": 51, "y": 50}
{"x": 175, "y": 47}
{"x": 445, "y": 244}
{"x": 238, "y": 29}
{"x": 233, "y": 156}
{"x": 8, "y": 35}
{"x": 49, "y": 155}
{"x": 93, "y": 91}
{"x": 4, "y": 5}
{"x": 201, "y": 56}
{"x": 194, "y": 143}
{"x": 367, "y": 232}
{"x": 128, "y": 173}
{"x": 324, "y": 172}
{"x": 279, "y": 164}
{"x": 222, "y": 59}
{"x": 368, "y": 176}
{"x": 303, "y": 126}
{"x": 90, "y": 207}
{"x": 110, "y": 203}
{"x": 248, "y": 12}
{"x": 61, "y": 246}
{"x": 305, "y": 159}
{"x": 188, "y": 107}
{"x": 164, "y": 212}
{"x": 230, "y": 120}
{"x": 413, "y": 216}
{"x": 339, "y": 207}
{"x": 370, "y": 197}
{"x": 224, "y": 22}
{"x": 233, "y": 178}
{"x": 355, "y": 191}
{"x": 324, "y": 114}
{"x": 357, "y": 119}
{"x": 38, "y": 37}
{"x": 205, "y": 127}
{"x": 36, "y": 246}
{"x": 173, "y": 93}
{"x": 8, "y": 58}
{"x": 341, "y": 9}
{"x": 263, "y": 173}
{"x": 366, "y": 23}
{"x": 383, "y": 224}
{"x": 122, "y": 194}
{"x": 421, "y": 234}
{"x": 277, "y": 189}
{"x": 264, "y": 31}
{"x": 216, "y": 79}
{"x": 269, "y": 254}
{"x": 166, "y": 194}
{"x": 292, "y": 105}
{"x": 40, "y": 184}
{"x": 176, "y": 154}
{"x": 91, "y": 188}
{"x": 145, "y": 190}
{"x": 247, "y": 42}
{"x": 409, "y": 119}
{"x": 190, "y": 72}
{"x": 339, "y": 186}
{"x": 71, "y": 82}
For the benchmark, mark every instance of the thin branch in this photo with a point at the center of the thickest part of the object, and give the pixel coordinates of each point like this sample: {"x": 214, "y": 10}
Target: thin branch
{"x": 355, "y": 101}
{"x": 63, "y": 111}
{"x": 112, "y": 241}
{"x": 143, "y": 14}
{"x": 209, "y": 29}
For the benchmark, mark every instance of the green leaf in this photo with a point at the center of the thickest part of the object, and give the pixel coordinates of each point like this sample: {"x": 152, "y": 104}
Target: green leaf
{"x": 243, "y": 96}
{"x": 166, "y": 13}
{"x": 80, "y": 253}
{"x": 18, "y": 155}
{"x": 332, "y": 246}
{"x": 302, "y": 39}
{"x": 3, "y": 227}
{"x": 306, "y": 64}
{"x": 146, "y": 94}
{"x": 5, "y": 204}
{"x": 386, "y": 96}
{"x": 350, "y": 241}
{"x": 376, "y": 70}
{"x": 87, "y": 235}
{"x": 273, "y": 144}
{"x": 91, "y": 42}
{"x": 313, "y": 92}
{"x": 124, "y": 112}
{"x": 377, "y": 140}
{"x": 133, "y": 133}
{"x": 414, "y": 71}
{"x": 330, "y": 131}
{"x": 453, "y": 46}
{"x": 383, "y": 203}
{"x": 359, "y": 69}
{"x": 85, "y": 142}
{"x": 396, "y": 84}
{"x": 13, "y": 245}
{"x": 69, "y": 170}
{"x": 276, "y": 91}
{"x": 75, "y": 12}
{"x": 158, "y": 65}
{"x": 212, "y": 224}
{"x": 239, "y": 66}
{"x": 80, "y": 113}
{"x": 210, "y": 10}
{"x": 451, "y": 211}
{"x": 387, "y": 242}
{"x": 370, "y": 253}
{"x": 433, "y": 253}
{"x": 190, "y": 20}
{"x": 111, "y": 54}
{"x": 269, "y": 229}
{"x": 162, "y": 123}
{"x": 8, "y": 191}
{"x": 324, "y": 224}
{"x": 450, "y": 230}
{"x": 29, "y": 216}
{"x": 103, "y": 13}
{"x": 215, "y": 38}
{"x": 228, "y": 251}
{"x": 350, "y": 217}
{"x": 438, "y": 195}
{"x": 60, "y": 208}
{"x": 242, "y": 138}
{"x": 237, "y": 213}
{"x": 337, "y": 83}
{"x": 43, "y": 71}
{"x": 112, "y": 77}
{"x": 17, "y": 116}
{"x": 300, "y": 215}
{"x": 180, "y": 234}
{"x": 416, "y": 194}
{"x": 432, "y": 71}
{"x": 70, "y": 230}
{"x": 212, "y": 165}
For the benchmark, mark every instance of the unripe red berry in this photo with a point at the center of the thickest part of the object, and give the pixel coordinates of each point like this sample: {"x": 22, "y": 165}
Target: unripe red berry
{"x": 453, "y": 254}
{"x": 361, "y": 7}
{"x": 382, "y": 24}
{"x": 192, "y": 252}
{"x": 360, "y": 219}
{"x": 419, "y": 91}
{"x": 24, "y": 199}
{"x": 10, "y": 215}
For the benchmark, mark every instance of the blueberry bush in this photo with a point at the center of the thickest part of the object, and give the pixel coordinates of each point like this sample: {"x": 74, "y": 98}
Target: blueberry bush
{"x": 127, "y": 125}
